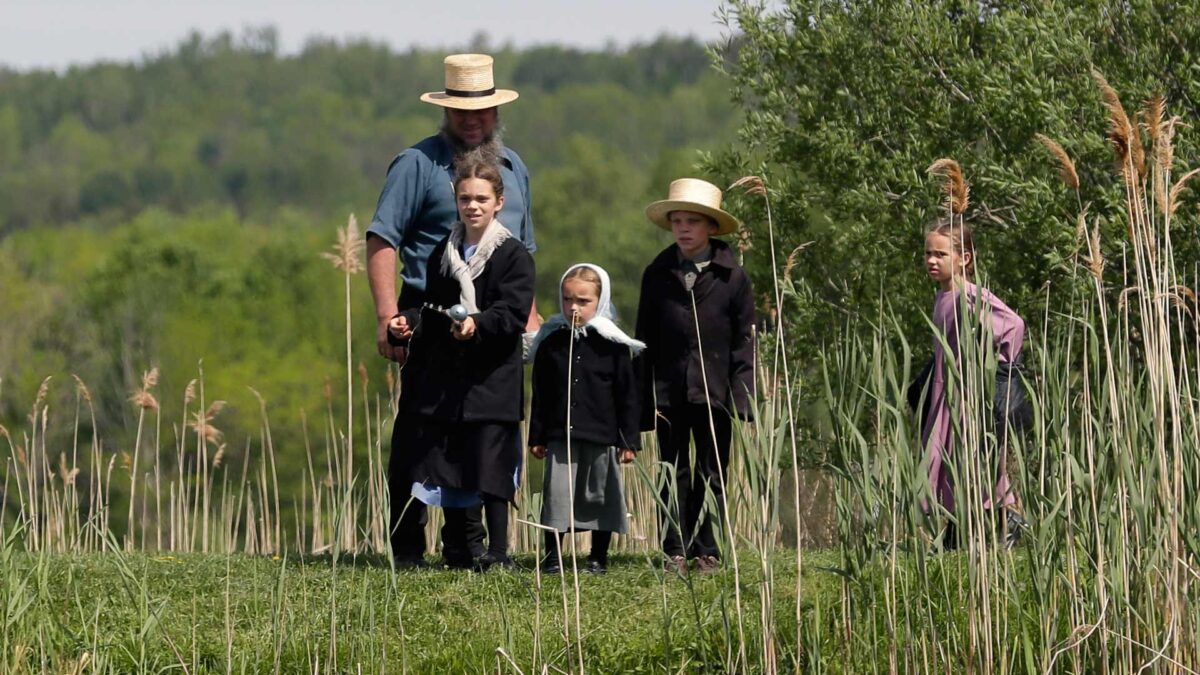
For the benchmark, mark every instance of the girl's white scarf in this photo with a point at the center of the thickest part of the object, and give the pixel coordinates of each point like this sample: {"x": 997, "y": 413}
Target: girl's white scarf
{"x": 604, "y": 321}
{"x": 466, "y": 272}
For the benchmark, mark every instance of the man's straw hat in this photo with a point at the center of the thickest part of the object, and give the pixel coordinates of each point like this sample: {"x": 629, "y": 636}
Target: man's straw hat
{"x": 469, "y": 84}
{"x": 692, "y": 194}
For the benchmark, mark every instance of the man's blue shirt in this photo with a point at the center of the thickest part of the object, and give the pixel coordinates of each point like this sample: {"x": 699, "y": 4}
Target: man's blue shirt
{"x": 417, "y": 205}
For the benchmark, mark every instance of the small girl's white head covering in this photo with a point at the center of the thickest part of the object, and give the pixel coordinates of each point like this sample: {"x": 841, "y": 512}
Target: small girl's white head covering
{"x": 603, "y": 322}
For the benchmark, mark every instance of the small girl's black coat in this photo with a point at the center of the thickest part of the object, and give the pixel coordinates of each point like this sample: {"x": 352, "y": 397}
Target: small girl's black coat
{"x": 665, "y": 322}
{"x": 603, "y": 388}
{"x": 478, "y": 380}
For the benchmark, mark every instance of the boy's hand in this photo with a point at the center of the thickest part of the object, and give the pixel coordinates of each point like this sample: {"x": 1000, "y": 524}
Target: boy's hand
{"x": 626, "y": 456}
{"x": 399, "y": 328}
{"x": 538, "y": 451}
{"x": 464, "y": 330}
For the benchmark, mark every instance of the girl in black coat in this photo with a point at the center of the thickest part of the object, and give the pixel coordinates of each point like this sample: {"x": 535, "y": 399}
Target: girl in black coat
{"x": 696, "y": 316}
{"x": 456, "y": 438}
{"x": 584, "y": 416}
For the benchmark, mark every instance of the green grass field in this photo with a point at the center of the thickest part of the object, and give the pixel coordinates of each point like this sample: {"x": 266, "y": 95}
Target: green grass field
{"x": 211, "y": 613}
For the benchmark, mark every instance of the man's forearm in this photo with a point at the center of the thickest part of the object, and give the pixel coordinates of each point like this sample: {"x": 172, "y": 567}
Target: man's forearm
{"x": 381, "y": 274}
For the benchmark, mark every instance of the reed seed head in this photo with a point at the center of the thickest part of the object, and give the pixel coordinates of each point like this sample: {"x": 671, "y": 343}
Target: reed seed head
{"x": 43, "y": 391}
{"x": 1120, "y": 130}
{"x": 793, "y": 258}
{"x": 954, "y": 186}
{"x": 189, "y": 392}
{"x": 346, "y": 253}
{"x": 753, "y": 185}
{"x": 1066, "y": 167}
{"x": 1176, "y": 189}
{"x": 81, "y": 389}
{"x": 144, "y": 400}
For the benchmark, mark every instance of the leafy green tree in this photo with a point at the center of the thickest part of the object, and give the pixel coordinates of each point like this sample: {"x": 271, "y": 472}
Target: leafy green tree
{"x": 847, "y": 104}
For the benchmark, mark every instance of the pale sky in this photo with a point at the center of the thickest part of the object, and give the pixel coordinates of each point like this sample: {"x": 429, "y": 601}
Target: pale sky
{"x": 59, "y": 33}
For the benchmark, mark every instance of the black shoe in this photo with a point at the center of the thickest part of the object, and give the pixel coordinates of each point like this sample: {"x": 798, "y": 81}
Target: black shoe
{"x": 489, "y": 560}
{"x": 407, "y": 562}
{"x": 1014, "y": 525}
{"x": 596, "y": 566}
{"x": 455, "y": 562}
{"x": 550, "y": 565}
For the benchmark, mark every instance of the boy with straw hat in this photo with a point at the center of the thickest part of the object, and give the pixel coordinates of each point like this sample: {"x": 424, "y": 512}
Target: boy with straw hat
{"x": 416, "y": 210}
{"x": 696, "y": 317}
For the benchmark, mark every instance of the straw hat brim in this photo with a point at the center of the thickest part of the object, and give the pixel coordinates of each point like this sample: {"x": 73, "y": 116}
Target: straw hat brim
{"x": 657, "y": 213}
{"x": 444, "y": 100}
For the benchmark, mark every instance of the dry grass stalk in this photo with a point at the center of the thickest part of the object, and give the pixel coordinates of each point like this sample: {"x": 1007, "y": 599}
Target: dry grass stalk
{"x": 65, "y": 473}
{"x": 1095, "y": 258}
{"x": 144, "y": 400}
{"x": 346, "y": 254}
{"x": 793, "y": 258}
{"x": 1153, "y": 113}
{"x": 43, "y": 391}
{"x": 202, "y": 423}
{"x": 1138, "y": 147}
{"x": 1120, "y": 130}
{"x": 219, "y": 456}
{"x": 1176, "y": 189}
{"x": 1123, "y": 298}
{"x": 955, "y": 186}
{"x": 753, "y": 185}
{"x": 82, "y": 389}
{"x": 4, "y": 433}
{"x": 1066, "y": 166}
{"x": 362, "y": 374}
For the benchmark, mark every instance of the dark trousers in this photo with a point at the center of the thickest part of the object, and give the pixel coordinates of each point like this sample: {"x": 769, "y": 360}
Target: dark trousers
{"x": 686, "y": 485}
{"x": 462, "y": 533}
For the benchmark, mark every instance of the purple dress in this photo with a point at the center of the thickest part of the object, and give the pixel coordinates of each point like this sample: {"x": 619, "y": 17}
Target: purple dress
{"x": 937, "y": 433}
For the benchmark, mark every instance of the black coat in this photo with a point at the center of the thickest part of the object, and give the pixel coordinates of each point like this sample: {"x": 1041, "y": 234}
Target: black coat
{"x": 725, "y": 314}
{"x": 603, "y": 388}
{"x": 482, "y": 379}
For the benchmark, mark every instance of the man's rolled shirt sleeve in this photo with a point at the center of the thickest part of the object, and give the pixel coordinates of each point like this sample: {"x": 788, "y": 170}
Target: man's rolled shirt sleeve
{"x": 522, "y": 172}
{"x": 401, "y": 198}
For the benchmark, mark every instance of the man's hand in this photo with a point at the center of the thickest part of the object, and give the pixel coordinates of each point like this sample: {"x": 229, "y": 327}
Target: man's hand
{"x": 465, "y": 330}
{"x": 386, "y": 350}
{"x": 626, "y": 456}
{"x": 538, "y": 451}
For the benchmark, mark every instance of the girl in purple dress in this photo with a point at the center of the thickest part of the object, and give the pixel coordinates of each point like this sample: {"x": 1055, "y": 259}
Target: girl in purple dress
{"x": 960, "y": 309}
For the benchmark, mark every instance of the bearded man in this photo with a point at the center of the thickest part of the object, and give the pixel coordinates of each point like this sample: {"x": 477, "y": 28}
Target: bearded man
{"x": 416, "y": 210}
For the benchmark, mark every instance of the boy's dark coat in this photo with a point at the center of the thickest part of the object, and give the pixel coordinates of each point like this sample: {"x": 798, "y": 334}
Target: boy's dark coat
{"x": 725, "y": 313}
{"x": 480, "y": 379}
{"x": 604, "y": 392}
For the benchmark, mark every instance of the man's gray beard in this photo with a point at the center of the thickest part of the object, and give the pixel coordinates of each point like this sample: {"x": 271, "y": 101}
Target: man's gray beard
{"x": 492, "y": 147}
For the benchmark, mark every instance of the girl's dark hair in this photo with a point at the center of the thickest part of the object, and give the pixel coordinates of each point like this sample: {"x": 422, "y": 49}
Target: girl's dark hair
{"x": 959, "y": 234}
{"x": 475, "y": 164}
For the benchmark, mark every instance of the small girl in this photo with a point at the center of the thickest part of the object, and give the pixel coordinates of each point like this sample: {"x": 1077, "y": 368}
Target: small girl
{"x": 457, "y": 434}
{"x": 950, "y": 262}
{"x": 585, "y": 393}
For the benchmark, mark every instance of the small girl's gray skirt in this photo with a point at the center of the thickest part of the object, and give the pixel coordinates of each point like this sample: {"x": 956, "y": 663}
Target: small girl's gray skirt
{"x": 599, "y": 497}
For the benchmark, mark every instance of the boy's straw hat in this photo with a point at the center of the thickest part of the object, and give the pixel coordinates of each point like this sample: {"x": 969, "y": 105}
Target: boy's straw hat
{"x": 469, "y": 84}
{"x": 692, "y": 194}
